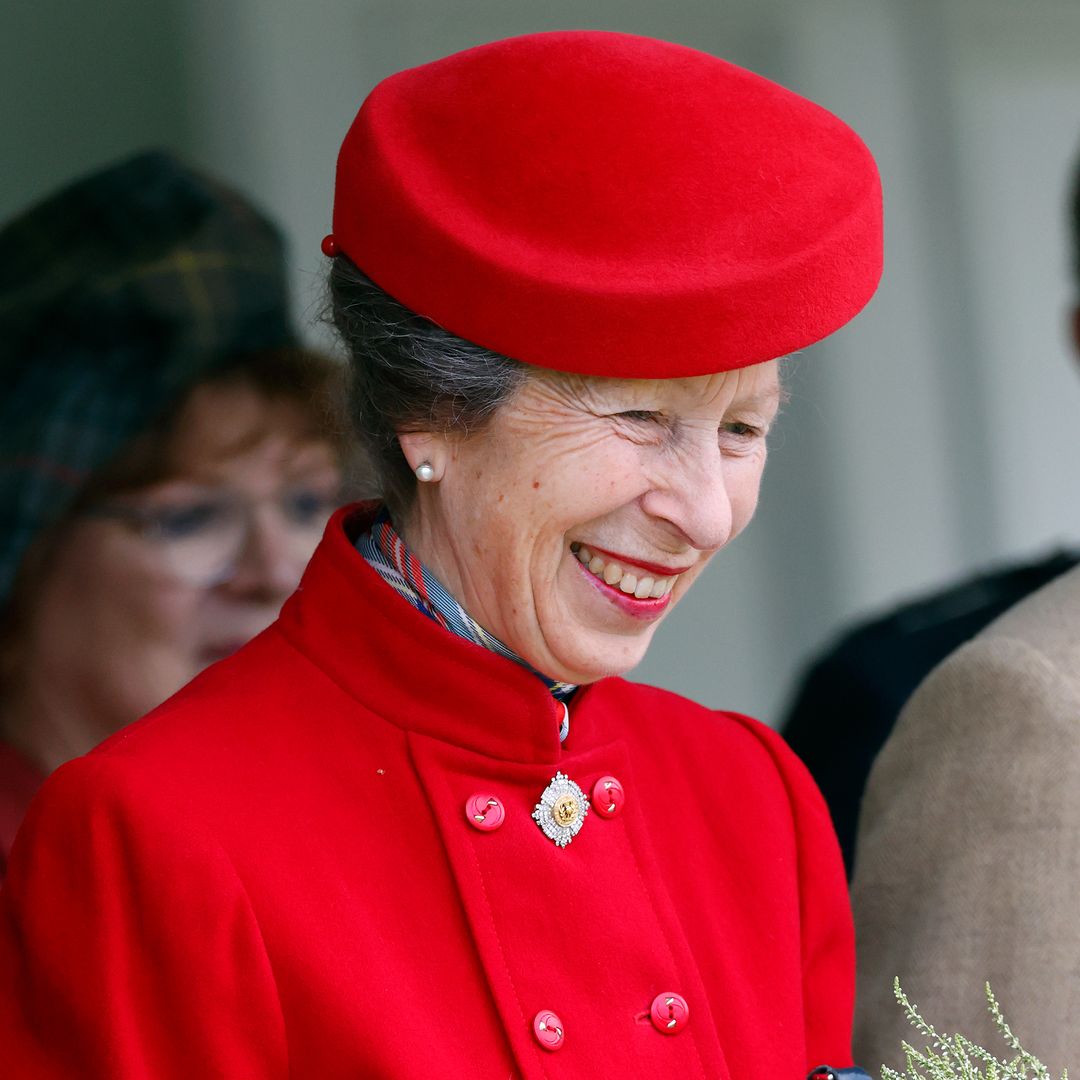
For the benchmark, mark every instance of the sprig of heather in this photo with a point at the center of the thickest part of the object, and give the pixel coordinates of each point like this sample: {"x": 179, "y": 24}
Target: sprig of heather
{"x": 954, "y": 1057}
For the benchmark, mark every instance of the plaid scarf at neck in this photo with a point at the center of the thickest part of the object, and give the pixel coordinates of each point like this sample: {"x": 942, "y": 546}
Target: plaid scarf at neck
{"x": 386, "y": 553}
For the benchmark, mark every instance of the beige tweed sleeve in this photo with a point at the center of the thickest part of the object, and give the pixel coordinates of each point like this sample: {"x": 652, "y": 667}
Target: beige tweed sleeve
{"x": 968, "y": 858}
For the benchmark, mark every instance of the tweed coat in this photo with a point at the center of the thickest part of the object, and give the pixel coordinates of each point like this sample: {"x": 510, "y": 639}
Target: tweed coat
{"x": 275, "y": 874}
{"x": 967, "y": 865}
{"x": 852, "y": 695}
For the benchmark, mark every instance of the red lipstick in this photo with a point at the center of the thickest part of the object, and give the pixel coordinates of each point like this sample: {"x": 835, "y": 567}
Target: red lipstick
{"x": 647, "y": 609}
{"x": 627, "y": 560}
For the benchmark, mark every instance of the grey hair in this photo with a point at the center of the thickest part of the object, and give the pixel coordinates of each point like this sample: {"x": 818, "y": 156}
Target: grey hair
{"x": 409, "y": 374}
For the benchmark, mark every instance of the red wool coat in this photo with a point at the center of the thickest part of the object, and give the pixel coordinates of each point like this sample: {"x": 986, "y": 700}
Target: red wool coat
{"x": 275, "y": 874}
{"x": 19, "y": 782}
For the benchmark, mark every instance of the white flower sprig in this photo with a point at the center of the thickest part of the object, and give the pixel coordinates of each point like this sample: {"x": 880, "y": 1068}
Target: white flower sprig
{"x": 952, "y": 1057}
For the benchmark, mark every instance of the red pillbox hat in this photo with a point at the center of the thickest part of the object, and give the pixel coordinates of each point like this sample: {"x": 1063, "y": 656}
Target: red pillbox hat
{"x": 611, "y": 205}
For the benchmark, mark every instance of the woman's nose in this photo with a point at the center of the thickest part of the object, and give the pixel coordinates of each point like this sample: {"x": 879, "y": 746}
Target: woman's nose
{"x": 694, "y": 497}
{"x": 268, "y": 565}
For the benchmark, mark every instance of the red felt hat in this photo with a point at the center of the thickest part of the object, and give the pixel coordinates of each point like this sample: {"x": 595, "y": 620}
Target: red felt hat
{"x": 611, "y": 205}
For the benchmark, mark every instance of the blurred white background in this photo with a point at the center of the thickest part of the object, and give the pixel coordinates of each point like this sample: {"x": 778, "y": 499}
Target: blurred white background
{"x": 937, "y": 434}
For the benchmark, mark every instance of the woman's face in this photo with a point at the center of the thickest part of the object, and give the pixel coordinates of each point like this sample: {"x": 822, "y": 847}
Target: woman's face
{"x": 138, "y": 597}
{"x": 579, "y": 518}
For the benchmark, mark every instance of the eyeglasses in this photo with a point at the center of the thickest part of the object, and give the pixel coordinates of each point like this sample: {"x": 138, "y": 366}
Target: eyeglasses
{"x": 201, "y": 538}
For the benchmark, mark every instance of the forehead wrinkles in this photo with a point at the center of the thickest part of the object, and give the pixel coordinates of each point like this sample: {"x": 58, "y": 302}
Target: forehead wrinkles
{"x": 544, "y": 413}
{"x": 704, "y": 396}
{"x": 757, "y": 386}
{"x": 707, "y": 396}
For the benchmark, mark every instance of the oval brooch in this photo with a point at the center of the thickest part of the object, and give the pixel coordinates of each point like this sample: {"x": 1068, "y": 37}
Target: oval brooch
{"x": 561, "y": 811}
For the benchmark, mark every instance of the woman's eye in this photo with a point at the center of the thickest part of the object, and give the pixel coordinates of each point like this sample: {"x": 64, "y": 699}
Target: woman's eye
{"x": 742, "y": 431}
{"x": 738, "y": 438}
{"x": 646, "y": 427}
{"x": 179, "y": 522}
{"x": 306, "y": 506}
{"x": 640, "y": 415}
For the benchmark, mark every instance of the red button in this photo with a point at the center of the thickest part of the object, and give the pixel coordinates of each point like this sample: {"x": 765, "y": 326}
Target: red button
{"x": 548, "y": 1029}
{"x": 670, "y": 1013}
{"x": 484, "y": 812}
{"x": 607, "y": 796}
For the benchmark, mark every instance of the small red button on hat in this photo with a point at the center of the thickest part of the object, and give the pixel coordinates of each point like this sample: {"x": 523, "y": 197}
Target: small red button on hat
{"x": 608, "y": 796}
{"x": 329, "y": 246}
{"x": 548, "y": 1029}
{"x": 485, "y": 812}
{"x": 670, "y": 1013}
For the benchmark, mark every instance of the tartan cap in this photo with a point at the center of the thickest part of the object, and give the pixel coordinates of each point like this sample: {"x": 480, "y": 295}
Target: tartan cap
{"x": 116, "y": 295}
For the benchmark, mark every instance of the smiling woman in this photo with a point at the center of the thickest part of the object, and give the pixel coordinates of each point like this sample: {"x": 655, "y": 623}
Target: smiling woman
{"x": 423, "y": 826}
{"x": 655, "y": 475}
{"x": 569, "y": 462}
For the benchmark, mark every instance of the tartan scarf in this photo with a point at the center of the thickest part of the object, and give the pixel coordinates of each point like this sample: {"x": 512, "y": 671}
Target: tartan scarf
{"x": 387, "y": 554}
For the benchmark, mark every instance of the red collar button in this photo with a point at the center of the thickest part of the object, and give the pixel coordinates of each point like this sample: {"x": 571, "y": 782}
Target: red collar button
{"x": 608, "y": 796}
{"x": 485, "y": 812}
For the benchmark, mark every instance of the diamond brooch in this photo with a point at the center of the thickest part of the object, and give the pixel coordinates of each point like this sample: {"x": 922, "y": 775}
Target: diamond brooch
{"x": 561, "y": 811}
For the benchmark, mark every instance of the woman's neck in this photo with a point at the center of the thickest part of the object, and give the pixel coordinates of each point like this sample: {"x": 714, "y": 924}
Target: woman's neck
{"x": 37, "y": 722}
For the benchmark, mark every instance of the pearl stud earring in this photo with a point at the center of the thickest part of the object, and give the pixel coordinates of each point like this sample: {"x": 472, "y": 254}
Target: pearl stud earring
{"x": 424, "y": 472}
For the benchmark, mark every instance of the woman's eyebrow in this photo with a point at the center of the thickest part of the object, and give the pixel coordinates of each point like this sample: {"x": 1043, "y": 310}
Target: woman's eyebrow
{"x": 763, "y": 401}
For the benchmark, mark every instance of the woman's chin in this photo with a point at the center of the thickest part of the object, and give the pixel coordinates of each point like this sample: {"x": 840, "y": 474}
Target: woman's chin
{"x": 599, "y": 656}
{"x": 588, "y": 635}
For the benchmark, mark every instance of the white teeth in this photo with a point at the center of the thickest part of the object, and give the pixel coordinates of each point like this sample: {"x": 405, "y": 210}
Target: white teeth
{"x": 613, "y": 574}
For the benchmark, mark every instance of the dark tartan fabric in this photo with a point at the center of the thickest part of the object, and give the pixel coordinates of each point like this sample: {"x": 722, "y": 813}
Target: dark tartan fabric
{"x": 116, "y": 294}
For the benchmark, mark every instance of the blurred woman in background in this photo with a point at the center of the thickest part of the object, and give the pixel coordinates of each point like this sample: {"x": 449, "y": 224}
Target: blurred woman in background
{"x": 168, "y": 456}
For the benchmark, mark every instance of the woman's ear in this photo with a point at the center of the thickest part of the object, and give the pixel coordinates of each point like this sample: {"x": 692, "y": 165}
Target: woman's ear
{"x": 424, "y": 448}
